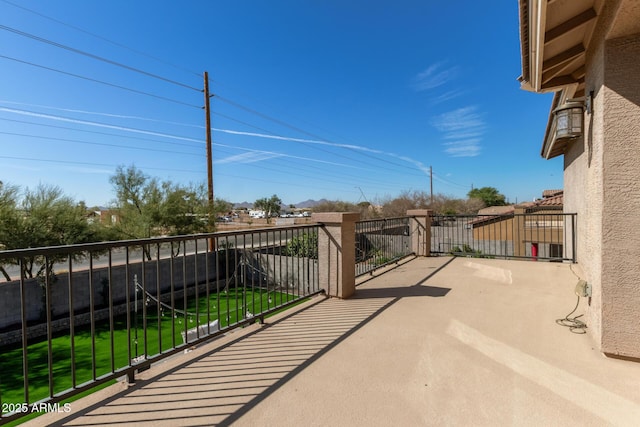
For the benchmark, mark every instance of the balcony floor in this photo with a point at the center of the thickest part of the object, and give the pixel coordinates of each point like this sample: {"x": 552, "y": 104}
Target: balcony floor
{"x": 435, "y": 341}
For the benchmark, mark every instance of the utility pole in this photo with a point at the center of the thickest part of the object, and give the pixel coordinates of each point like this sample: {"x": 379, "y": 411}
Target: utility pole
{"x": 207, "y": 118}
{"x": 431, "y": 182}
{"x": 207, "y": 121}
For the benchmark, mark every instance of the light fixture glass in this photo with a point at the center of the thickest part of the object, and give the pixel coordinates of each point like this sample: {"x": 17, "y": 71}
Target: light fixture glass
{"x": 569, "y": 120}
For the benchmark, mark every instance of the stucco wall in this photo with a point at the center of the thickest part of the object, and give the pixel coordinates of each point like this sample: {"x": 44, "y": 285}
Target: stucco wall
{"x": 584, "y": 188}
{"x": 602, "y": 186}
{"x": 621, "y": 202}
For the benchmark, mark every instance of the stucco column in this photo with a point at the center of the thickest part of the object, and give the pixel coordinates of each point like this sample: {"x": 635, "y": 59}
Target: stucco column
{"x": 420, "y": 229}
{"x": 337, "y": 252}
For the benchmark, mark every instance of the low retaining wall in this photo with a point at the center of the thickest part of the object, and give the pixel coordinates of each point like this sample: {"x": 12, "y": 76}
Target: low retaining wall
{"x": 295, "y": 275}
{"x": 290, "y": 274}
{"x": 58, "y": 326}
{"x": 181, "y": 271}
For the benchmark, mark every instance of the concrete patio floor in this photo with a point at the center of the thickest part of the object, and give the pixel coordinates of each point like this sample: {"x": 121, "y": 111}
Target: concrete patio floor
{"x": 435, "y": 341}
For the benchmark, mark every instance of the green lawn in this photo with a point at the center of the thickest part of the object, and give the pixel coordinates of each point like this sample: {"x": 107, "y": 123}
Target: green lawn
{"x": 11, "y": 379}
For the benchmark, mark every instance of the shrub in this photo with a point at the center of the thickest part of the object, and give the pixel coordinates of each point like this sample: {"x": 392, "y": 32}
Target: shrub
{"x": 305, "y": 245}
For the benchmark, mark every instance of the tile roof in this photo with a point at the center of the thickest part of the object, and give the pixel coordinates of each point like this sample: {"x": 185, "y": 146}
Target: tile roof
{"x": 500, "y": 213}
{"x": 496, "y": 210}
{"x": 557, "y": 200}
{"x": 551, "y": 193}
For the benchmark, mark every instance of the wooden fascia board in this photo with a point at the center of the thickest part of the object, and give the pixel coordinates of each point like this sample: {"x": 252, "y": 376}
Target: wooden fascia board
{"x": 537, "y": 20}
{"x": 524, "y": 40}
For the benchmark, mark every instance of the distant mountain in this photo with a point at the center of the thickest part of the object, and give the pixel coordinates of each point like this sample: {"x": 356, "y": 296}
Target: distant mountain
{"x": 309, "y": 203}
{"x": 243, "y": 205}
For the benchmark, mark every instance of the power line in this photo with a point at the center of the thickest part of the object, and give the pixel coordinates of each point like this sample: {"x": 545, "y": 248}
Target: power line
{"x": 275, "y": 154}
{"x": 93, "y": 164}
{"x": 218, "y": 144}
{"x": 318, "y": 139}
{"x": 98, "y": 113}
{"x": 291, "y": 184}
{"x": 68, "y": 162}
{"x": 264, "y": 116}
{"x": 37, "y": 38}
{"x": 273, "y": 135}
{"x": 280, "y": 122}
{"x": 97, "y": 124}
{"x": 104, "y": 144}
{"x": 289, "y": 156}
{"x": 270, "y": 134}
{"x": 244, "y": 94}
{"x": 288, "y": 167}
{"x": 97, "y": 57}
{"x": 91, "y": 79}
{"x": 241, "y": 122}
{"x": 103, "y": 38}
{"x": 98, "y": 133}
{"x": 453, "y": 184}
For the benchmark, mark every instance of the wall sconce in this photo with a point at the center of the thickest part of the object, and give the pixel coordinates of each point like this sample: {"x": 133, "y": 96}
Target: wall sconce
{"x": 569, "y": 119}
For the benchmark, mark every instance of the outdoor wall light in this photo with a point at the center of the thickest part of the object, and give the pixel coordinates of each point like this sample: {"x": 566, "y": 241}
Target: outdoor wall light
{"x": 569, "y": 119}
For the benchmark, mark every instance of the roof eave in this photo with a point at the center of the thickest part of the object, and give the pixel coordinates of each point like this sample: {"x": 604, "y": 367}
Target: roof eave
{"x": 536, "y": 13}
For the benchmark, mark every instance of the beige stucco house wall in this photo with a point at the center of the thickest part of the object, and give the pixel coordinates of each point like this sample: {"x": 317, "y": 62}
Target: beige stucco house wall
{"x": 545, "y": 226}
{"x": 602, "y": 167}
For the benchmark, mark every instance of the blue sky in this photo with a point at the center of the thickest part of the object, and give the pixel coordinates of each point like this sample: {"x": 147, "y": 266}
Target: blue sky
{"x": 345, "y": 100}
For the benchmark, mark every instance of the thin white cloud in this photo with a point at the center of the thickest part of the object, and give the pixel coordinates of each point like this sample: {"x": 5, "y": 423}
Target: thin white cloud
{"x": 306, "y": 141}
{"x": 252, "y": 156}
{"x": 101, "y": 125}
{"x": 97, "y": 113}
{"x": 266, "y": 155}
{"x": 415, "y": 162}
{"x": 463, "y": 135}
{"x": 434, "y": 76}
{"x": 446, "y": 96}
{"x": 462, "y": 129}
{"x": 465, "y": 119}
{"x": 248, "y": 157}
{"x": 464, "y": 148}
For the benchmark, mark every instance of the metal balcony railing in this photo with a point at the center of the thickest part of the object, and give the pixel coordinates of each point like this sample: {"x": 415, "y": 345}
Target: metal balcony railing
{"x": 534, "y": 236}
{"x": 380, "y": 242}
{"x": 75, "y": 317}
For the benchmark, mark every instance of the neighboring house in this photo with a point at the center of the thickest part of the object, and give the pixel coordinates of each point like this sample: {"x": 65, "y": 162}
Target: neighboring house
{"x": 588, "y": 53}
{"x": 104, "y": 216}
{"x": 511, "y": 226}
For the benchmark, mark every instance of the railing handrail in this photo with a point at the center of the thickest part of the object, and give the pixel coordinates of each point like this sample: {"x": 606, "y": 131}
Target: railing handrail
{"x": 249, "y": 274}
{"x": 545, "y": 235}
{"x": 97, "y": 246}
{"x": 382, "y": 219}
{"x": 375, "y": 248}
